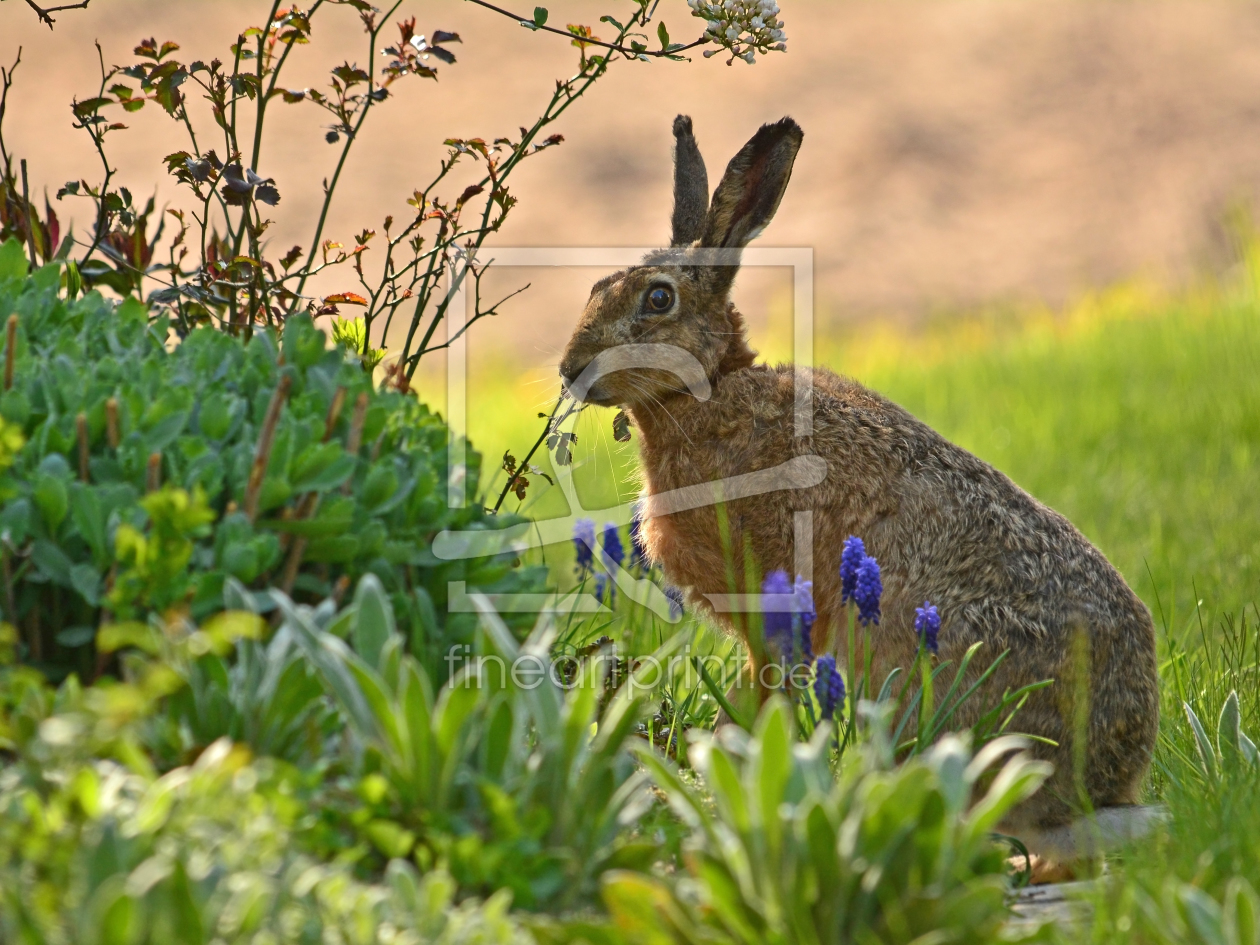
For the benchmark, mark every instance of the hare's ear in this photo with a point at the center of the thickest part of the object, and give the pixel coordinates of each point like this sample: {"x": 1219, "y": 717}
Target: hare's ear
{"x": 691, "y": 186}
{"x": 753, "y": 185}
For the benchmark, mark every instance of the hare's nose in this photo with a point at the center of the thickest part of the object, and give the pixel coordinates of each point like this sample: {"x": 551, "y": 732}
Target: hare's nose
{"x": 569, "y": 375}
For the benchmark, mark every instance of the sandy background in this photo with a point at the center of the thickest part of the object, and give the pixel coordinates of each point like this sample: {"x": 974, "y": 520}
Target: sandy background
{"x": 957, "y": 152}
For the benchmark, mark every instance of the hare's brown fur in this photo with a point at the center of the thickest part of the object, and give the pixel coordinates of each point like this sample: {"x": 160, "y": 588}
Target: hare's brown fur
{"x": 1002, "y": 568}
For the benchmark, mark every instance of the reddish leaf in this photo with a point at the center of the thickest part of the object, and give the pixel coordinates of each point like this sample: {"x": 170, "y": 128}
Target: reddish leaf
{"x": 345, "y": 298}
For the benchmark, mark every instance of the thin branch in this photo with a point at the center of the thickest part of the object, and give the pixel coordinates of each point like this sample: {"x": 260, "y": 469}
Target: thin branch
{"x": 98, "y": 141}
{"x": 352, "y": 135}
{"x": 6, "y": 81}
{"x": 565, "y": 94}
{"x": 616, "y": 47}
{"x": 26, "y": 211}
{"x": 477, "y": 316}
{"x": 42, "y": 12}
{"x": 552, "y": 424}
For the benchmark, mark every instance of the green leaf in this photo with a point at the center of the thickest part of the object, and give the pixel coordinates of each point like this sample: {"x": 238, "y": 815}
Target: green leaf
{"x": 1228, "y": 729}
{"x": 117, "y": 919}
{"x": 380, "y": 486}
{"x": 456, "y": 703}
{"x": 322, "y": 467}
{"x": 16, "y": 520}
{"x": 15, "y": 407}
{"x": 75, "y": 636}
{"x": 331, "y": 659}
{"x": 498, "y": 741}
{"x": 132, "y": 310}
{"x": 163, "y": 433}
{"x": 53, "y": 501}
{"x": 89, "y": 519}
{"x": 115, "y": 636}
{"x": 392, "y": 839}
{"x": 333, "y": 549}
{"x": 374, "y": 625}
{"x": 87, "y": 581}
{"x": 52, "y": 562}
{"x": 540, "y": 16}
{"x": 189, "y": 922}
{"x": 1202, "y": 914}
{"x": 215, "y": 416}
{"x": 275, "y": 491}
{"x": 13, "y": 262}
{"x": 662, "y": 34}
{"x": 1241, "y": 913}
{"x": 769, "y": 769}
{"x": 416, "y": 698}
{"x": 638, "y": 904}
{"x": 1206, "y": 753}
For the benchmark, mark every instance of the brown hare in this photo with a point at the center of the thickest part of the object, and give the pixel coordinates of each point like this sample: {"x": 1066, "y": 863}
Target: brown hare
{"x": 1001, "y": 567}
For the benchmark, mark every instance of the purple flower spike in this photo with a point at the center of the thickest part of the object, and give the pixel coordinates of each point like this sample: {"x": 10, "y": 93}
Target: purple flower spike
{"x": 584, "y": 546}
{"x": 850, "y": 559}
{"x": 868, "y": 591}
{"x": 804, "y": 591}
{"x": 828, "y": 686}
{"x": 777, "y": 623}
{"x": 927, "y": 623}
{"x": 614, "y": 551}
{"x": 675, "y": 596}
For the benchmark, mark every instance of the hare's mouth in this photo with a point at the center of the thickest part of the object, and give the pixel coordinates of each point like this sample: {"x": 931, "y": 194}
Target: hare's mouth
{"x": 595, "y": 393}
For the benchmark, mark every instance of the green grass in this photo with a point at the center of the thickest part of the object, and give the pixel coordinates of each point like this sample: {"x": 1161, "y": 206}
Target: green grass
{"x": 1137, "y": 418}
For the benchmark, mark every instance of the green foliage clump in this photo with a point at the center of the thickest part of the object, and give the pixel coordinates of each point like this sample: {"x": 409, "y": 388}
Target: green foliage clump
{"x": 146, "y": 472}
{"x": 93, "y": 852}
{"x": 788, "y": 853}
{"x": 501, "y": 774}
{"x": 324, "y": 744}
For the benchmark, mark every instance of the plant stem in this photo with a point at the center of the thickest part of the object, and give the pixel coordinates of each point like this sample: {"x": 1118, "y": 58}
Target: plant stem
{"x": 331, "y": 186}
{"x": 10, "y": 349}
{"x": 550, "y": 425}
{"x": 153, "y": 473}
{"x": 262, "y": 454}
{"x": 355, "y": 438}
{"x": 81, "y": 432}
{"x": 634, "y": 53}
{"x": 30, "y": 226}
{"x": 718, "y": 695}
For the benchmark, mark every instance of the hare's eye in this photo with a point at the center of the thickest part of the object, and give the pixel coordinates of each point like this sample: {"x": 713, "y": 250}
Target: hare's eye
{"x": 659, "y": 299}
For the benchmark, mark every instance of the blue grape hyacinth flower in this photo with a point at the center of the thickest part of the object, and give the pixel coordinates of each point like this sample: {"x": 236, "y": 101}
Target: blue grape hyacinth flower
{"x": 828, "y": 685}
{"x": 804, "y": 591}
{"x": 584, "y": 546}
{"x": 777, "y": 623}
{"x": 850, "y": 559}
{"x": 927, "y": 624}
{"x": 614, "y": 551}
{"x": 868, "y": 591}
{"x": 675, "y": 595}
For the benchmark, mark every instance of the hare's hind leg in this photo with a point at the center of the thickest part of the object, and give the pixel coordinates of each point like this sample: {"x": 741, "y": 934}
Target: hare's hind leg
{"x": 1058, "y": 851}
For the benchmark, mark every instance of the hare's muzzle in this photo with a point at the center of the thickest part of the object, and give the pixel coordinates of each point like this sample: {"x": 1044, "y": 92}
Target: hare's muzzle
{"x": 579, "y": 390}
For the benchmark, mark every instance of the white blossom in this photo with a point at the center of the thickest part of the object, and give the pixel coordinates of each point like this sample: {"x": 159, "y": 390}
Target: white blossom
{"x": 743, "y": 28}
